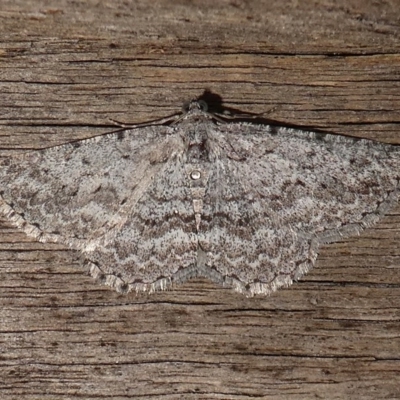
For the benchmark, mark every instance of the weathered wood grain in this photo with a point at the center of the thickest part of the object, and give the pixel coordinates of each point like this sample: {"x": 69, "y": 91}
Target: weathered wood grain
{"x": 66, "y": 68}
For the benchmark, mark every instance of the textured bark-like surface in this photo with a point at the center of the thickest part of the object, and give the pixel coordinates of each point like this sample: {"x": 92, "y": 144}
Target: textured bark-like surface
{"x": 67, "y": 68}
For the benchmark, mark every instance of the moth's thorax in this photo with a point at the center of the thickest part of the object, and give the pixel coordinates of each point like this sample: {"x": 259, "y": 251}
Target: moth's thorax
{"x": 196, "y": 140}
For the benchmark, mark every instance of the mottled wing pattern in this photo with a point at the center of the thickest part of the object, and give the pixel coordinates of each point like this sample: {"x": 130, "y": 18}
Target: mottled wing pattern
{"x": 158, "y": 240}
{"x": 82, "y": 193}
{"x": 275, "y": 194}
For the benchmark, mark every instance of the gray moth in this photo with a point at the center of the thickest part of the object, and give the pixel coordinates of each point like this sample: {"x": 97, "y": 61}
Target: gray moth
{"x": 246, "y": 205}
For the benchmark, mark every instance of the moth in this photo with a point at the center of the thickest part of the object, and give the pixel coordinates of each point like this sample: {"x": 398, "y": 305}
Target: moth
{"x": 246, "y": 205}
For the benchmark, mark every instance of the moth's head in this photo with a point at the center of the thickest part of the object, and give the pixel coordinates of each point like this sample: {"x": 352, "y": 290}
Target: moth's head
{"x": 195, "y": 107}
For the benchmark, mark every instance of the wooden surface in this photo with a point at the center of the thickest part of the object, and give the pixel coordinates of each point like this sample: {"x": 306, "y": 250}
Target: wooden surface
{"x": 66, "y": 68}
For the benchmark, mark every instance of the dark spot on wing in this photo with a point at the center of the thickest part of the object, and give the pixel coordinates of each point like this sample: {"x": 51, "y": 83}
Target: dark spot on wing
{"x": 121, "y": 135}
{"x": 320, "y": 136}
